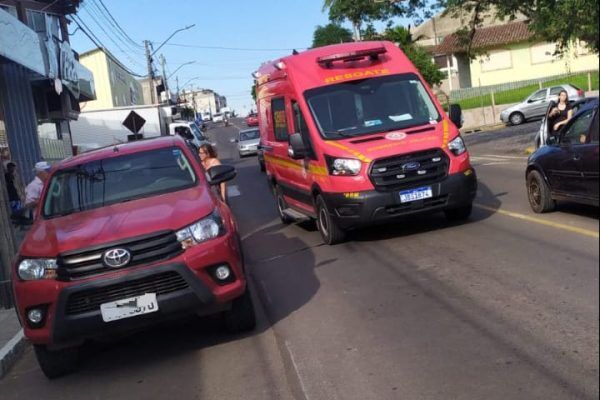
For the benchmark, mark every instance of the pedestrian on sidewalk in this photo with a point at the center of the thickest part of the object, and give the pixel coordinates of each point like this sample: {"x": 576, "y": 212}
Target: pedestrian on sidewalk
{"x": 33, "y": 191}
{"x": 14, "y": 198}
{"x": 209, "y": 159}
{"x": 562, "y": 113}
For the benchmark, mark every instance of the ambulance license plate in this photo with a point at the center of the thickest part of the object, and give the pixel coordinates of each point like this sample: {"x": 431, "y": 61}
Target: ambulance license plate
{"x": 406, "y": 196}
{"x": 128, "y": 308}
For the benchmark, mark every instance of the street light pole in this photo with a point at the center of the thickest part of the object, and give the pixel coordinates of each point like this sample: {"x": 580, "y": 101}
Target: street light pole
{"x": 150, "y": 55}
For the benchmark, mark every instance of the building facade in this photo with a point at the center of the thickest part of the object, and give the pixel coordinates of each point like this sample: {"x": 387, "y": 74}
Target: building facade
{"x": 41, "y": 81}
{"x": 506, "y": 52}
{"x": 41, "y": 85}
{"x": 115, "y": 86}
{"x": 204, "y": 101}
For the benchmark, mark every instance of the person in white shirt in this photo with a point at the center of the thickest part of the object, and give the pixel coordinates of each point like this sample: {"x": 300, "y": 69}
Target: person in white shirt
{"x": 33, "y": 191}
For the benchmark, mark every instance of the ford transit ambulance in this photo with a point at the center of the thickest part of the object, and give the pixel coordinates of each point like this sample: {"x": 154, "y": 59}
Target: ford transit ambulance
{"x": 352, "y": 135}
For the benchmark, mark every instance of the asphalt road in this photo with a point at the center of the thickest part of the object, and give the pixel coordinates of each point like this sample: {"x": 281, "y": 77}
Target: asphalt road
{"x": 502, "y": 307}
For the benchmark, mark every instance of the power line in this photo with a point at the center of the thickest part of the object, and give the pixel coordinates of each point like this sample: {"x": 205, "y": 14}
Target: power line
{"x": 118, "y": 26}
{"x": 93, "y": 7}
{"x": 99, "y": 44}
{"x": 110, "y": 37}
{"x": 231, "y": 48}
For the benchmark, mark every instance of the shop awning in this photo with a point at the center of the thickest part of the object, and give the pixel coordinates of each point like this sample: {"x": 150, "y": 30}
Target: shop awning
{"x": 20, "y": 44}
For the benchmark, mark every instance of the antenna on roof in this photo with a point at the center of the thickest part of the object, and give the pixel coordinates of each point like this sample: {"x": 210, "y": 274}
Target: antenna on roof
{"x": 295, "y": 52}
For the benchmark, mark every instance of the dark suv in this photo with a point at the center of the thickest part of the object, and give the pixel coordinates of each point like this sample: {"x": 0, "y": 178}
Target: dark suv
{"x": 125, "y": 237}
{"x": 567, "y": 168}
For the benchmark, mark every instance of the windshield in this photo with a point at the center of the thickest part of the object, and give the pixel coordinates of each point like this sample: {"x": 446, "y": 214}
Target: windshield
{"x": 372, "y": 105}
{"x": 197, "y": 132}
{"x": 119, "y": 179}
{"x": 249, "y": 135}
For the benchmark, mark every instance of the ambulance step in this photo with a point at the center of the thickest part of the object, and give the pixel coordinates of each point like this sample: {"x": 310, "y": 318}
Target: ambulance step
{"x": 294, "y": 214}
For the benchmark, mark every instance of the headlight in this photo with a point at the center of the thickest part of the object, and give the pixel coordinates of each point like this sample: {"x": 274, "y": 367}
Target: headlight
{"x": 201, "y": 231}
{"x": 37, "y": 268}
{"x": 343, "y": 166}
{"x": 457, "y": 146}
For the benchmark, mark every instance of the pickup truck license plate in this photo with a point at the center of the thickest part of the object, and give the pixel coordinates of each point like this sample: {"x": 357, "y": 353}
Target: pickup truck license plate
{"x": 406, "y": 196}
{"x": 128, "y": 308}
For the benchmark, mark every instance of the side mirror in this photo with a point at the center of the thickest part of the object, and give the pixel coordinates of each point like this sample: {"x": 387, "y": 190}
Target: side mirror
{"x": 296, "y": 149}
{"x": 455, "y": 115}
{"x": 220, "y": 173}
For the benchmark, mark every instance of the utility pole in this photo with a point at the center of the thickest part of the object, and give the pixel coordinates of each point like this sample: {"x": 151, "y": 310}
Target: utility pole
{"x": 163, "y": 63}
{"x": 150, "y": 72}
{"x": 7, "y": 244}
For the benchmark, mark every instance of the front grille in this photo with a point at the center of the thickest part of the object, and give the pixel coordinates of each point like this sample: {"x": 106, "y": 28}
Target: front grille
{"x": 144, "y": 250}
{"x": 387, "y": 174}
{"x": 90, "y": 299}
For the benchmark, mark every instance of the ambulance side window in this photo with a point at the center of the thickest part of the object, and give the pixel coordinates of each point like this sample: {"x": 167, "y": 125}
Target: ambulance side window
{"x": 301, "y": 127}
{"x": 279, "y": 119}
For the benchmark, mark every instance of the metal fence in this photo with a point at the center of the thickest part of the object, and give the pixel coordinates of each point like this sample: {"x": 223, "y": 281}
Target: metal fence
{"x": 588, "y": 77}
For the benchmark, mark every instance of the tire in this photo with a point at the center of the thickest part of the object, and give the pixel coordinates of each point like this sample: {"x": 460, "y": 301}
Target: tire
{"x": 56, "y": 363}
{"x": 329, "y": 229}
{"x": 281, "y": 205}
{"x": 516, "y": 118}
{"x": 241, "y": 317}
{"x": 459, "y": 214}
{"x": 538, "y": 193}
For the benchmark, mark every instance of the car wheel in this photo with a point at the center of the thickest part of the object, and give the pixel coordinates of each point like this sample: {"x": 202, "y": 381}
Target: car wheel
{"x": 538, "y": 193}
{"x": 56, "y": 363}
{"x": 329, "y": 229}
{"x": 459, "y": 214}
{"x": 516, "y": 118}
{"x": 281, "y": 206}
{"x": 241, "y": 317}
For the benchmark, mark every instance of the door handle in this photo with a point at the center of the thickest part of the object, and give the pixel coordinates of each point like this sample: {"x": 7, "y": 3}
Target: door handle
{"x": 577, "y": 157}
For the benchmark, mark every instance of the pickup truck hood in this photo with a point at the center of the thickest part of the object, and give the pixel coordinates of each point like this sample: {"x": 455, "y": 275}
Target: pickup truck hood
{"x": 387, "y": 144}
{"x": 171, "y": 211}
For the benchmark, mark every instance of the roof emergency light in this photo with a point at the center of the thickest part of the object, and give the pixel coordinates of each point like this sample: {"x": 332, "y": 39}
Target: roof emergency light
{"x": 373, "y": 54}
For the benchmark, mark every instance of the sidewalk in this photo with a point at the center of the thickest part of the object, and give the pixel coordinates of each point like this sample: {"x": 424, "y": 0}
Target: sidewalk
{"x": 12, "y": 341}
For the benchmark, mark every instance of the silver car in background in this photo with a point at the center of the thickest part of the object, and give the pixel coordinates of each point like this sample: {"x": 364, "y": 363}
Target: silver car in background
{"x": 536, "y": 104}
{"x": 248, "y": 141}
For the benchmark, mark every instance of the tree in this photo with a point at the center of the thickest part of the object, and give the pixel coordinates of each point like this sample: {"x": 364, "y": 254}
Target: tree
{"x": 360, "y": 12}
{"x": 417, "y": 55}
{"x": 560, "y": 21}
{"x": 331, "y": 33}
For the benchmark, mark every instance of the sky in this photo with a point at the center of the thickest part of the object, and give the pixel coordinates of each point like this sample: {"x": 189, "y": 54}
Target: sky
{"x": 229, "y": 41}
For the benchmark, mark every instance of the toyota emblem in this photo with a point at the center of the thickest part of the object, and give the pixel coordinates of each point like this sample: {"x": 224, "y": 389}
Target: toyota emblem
{"x": 117, "y": 258}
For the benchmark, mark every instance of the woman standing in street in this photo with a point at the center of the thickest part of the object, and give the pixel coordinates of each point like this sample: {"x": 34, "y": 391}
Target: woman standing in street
{"x": 209, "y": 159}
{"x": 562, "y": 113}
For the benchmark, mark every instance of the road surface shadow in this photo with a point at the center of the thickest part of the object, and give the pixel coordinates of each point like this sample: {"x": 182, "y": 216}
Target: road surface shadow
{"x": 422, "y": 223}
{"x": 581, "y": 210}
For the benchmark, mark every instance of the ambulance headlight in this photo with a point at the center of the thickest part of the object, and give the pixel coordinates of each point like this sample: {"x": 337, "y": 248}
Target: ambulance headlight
{"x": 343, "y": 166}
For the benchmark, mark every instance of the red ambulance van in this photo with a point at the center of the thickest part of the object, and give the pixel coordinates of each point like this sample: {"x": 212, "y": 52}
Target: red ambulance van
{"x": 352, "y": 135}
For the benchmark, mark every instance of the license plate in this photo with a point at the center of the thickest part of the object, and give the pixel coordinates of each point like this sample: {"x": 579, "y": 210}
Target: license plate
{"x": 128, "y": 308}
{"x": 407, "y": 196}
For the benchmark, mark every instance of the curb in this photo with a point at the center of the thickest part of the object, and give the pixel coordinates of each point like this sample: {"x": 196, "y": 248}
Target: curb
{"x": 11, "y": 351}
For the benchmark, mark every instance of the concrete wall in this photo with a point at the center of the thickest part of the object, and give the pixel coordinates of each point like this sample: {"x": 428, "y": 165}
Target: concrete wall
{"x": 529, "y": 61}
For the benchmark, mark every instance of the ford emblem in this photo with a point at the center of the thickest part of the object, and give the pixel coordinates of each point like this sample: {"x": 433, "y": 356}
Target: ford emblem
{"x": 411, "y": 166}
{"x": 116, "y": 258}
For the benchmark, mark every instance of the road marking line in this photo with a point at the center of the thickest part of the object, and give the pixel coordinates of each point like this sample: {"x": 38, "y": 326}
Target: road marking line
{"x": 494, "y": 163}
{"x": 507, "y": 157}
{"x": 557, "y": 225}
{"x": 302, "y": 387}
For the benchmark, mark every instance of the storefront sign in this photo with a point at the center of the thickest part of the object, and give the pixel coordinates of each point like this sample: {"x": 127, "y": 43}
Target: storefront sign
{"x": 20, "y": 44}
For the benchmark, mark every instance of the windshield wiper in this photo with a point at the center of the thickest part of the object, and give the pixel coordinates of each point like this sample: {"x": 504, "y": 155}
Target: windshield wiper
{"x": 342, "y": 132}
